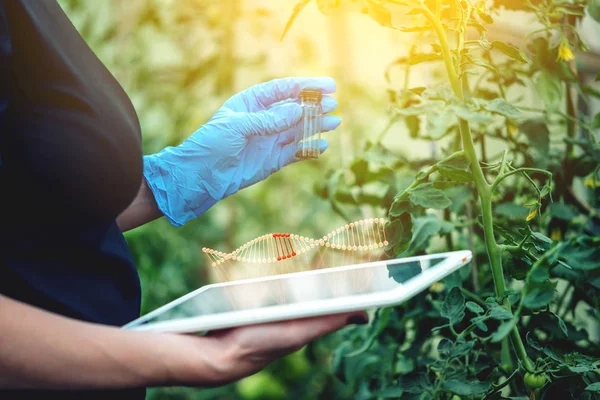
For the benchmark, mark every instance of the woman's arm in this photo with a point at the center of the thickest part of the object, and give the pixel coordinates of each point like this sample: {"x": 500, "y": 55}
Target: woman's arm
{"x": 41, "y": 350}
{"x": 142, "y": 210}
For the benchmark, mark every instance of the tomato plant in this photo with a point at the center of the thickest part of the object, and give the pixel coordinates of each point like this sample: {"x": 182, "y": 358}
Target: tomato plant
{"x": 517, "y": 183}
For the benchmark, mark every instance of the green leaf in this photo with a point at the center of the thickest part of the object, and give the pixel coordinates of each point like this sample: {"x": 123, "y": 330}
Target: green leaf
{"x": 503, "y": 107}
{"x": 440, "y": 92}
{"x": 379, "y": 13}
{"x": 549, "y": 87}
{"x": 409, "y": 28}
{"x": 462, "y": 349}
{"x": 485, "y": 17}
{"x": 593, "y": 9}
{"x": 380, "y": 322}
{"x": 466, "y": 388}
{"x": 438, "y": 123}
{"x": 421, "y": 108}
{"x": 404, "y": 272}
{"x": 456, "y": 162}
{"x": 470, "y": 115}
{"x": 596, "y": 121}
{"x": 541, "y": 237}
{"x": 425, "y": 195}
{"x": 419, "y": 58}
{"x": 390, "y": 393}
{"x": 538, "y": 135}
{"x": 541, "y": 295}
{"x": 413, "y": 124}
{"x": 500, "y": 314}
{"x": 594, "y": 387}
{"x": 562, "y": 325}
{"x": 509, "y": 50}
{"x": 297, "y": 9}
{"x": 474, "y": 307}
{"x": 540, "y": 275}
{"x": 511, "y": 210}
{"x": 417, "y": 90}
{"x": 478, "y": 321}
{"x": 457, "y": 176}
{"x": 565, "y": 212}
{"x": 399, "y": 233}
{"x": 398, "y": 208}
{"x": 453, "y": 307}
{"x": 503, "y": 330}
{"x": 583, "y": 255}
{"x": 425, "y": 227}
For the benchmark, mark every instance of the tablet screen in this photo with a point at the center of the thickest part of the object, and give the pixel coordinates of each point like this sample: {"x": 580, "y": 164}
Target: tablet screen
{"x": 298, "y": 288}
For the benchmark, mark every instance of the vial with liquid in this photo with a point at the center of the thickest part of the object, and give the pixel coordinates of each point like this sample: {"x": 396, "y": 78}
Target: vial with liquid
{"x": 309, "y": 133}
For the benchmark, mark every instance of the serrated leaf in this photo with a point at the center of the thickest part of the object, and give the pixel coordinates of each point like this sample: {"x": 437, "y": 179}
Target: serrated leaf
{"x": 425, "y": 195}
{"x": 474, "y": 307}
{"x": 509, "y": 50}
{"x": 453, "y": 307}
{"x": 503, "y": 107}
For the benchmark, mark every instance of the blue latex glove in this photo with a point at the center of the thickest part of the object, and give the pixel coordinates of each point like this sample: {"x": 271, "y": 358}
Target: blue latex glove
{"x": 248, "y": 139}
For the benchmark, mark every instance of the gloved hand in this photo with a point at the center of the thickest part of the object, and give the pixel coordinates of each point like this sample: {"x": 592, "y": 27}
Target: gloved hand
{"x": 249, "y": 138}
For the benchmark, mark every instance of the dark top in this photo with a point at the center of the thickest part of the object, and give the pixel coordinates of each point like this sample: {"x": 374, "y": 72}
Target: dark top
{"x": 70, "y": 162}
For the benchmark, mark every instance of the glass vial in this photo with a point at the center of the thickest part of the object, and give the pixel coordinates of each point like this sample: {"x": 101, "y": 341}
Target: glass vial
{"x": 309, "y": 133}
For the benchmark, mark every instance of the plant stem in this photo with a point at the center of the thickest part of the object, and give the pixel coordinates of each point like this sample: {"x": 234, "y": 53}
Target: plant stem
{"x": 473, "y": 296}
{"x": 503, "y": 176}
{"x": 483, "y": 187}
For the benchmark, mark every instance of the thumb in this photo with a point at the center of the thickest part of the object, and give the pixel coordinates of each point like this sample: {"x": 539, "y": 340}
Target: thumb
{"x": 273, "y": 121}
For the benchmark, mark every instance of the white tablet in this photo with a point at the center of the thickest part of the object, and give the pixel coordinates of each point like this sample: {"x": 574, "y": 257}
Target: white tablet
{"x": 302, "y": 294}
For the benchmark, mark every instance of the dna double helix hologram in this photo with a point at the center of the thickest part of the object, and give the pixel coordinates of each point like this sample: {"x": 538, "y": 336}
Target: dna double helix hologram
{"x": 358, "y": 236}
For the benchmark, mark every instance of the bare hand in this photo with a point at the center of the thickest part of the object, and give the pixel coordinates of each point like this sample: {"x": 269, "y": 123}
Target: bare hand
{"x": 243, "y": 351}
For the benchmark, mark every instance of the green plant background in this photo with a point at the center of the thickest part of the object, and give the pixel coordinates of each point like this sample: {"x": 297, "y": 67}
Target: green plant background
{"x": 179, "y": 60}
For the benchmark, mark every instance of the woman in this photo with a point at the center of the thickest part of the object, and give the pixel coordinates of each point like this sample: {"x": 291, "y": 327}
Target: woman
{"x": 73, "y": 178}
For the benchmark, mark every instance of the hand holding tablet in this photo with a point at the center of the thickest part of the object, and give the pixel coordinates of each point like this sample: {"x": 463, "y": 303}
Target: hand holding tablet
{"x": 302, "y": 294}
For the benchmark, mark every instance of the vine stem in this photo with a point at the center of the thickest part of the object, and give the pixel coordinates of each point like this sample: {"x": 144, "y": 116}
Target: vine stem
{"x": 483, "y": 187}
